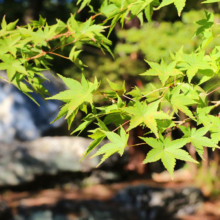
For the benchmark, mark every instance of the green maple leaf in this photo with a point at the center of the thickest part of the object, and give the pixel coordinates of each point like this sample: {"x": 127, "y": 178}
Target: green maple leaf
{"x": 167, "y": 151}
{"x": 12, "y": 66}
{"x": 78, "y": 94}
{"x": 211, "y": 1}
{"x": 147, "y": 114}
{"x": 203, "y": 115}
{"x": 9, "y": 45}
{"x": 118, "y": 144}
{"x": 205, "y": 24}
{"x": 194, "y": 63}
{"x": 83, "y": 4}
{"x": 211, "y": 121}
{"x": 98, "y": 135}
{"x": 215, "y": 128}
{"x": 120, "y": 90}
{"x": 163, "y": 71}
{"x": 198, "y": 139}
{"x": 180, "y": 4}
{"x": 149, "y": 9}
{"x": 180, "y": 101}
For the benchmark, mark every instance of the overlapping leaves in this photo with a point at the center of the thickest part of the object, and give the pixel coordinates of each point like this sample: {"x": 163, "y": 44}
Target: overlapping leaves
{"x": 75, "y": 98}
{"x": 146, "y": 114}
{"x": 167, "y": 151}
{"x": 198, "y": 139}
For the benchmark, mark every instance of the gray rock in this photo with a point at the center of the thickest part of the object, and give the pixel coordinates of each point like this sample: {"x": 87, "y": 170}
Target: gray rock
{"x": 21, "y": 118}
{"x": 158, "y": 203}
{"x": 21, "y": 162}
{"x": 5, "y": 211}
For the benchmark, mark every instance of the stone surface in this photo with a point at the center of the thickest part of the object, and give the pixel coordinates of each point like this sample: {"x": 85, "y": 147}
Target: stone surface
{"x": 22, "y": 162}
{"x": 5, "y": 211}
{"x": 20, "y": 118}
{"x": 158, "y": 203}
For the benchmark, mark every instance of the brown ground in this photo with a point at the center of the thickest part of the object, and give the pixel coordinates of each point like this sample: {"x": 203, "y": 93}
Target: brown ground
{"x": 209, "y": 211}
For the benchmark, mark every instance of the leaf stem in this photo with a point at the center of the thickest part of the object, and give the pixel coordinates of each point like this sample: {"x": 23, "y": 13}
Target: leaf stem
{"x": 213, "y": 91}
{"x": 108, "y": 97}
{"x": 59, "y": 55}
{"x": 136, "y": 145}
{"x": 121, "y": 126}
{"x": 129, "y": 98}
{"x": 56, "y": 48}
{"x": 155, "y": 91}
{"x": 212, "y": 87}
{"x": 95, "y": 15}
{"x": 4, "y": 79}
{"x": 178, "y": 123}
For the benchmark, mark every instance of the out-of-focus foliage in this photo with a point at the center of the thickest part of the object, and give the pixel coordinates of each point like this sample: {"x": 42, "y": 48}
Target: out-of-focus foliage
{"x": 151, "y": 42}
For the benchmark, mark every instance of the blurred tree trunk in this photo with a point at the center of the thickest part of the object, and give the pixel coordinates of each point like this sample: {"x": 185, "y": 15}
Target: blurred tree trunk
{"x": 33, "y": 10}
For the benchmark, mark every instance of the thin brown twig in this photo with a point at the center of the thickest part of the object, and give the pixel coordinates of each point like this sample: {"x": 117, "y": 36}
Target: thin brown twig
{"x": 212, "y": 87}
{"x": 136, "y": 145}
{"x": 164, "y": 91}
{"x": 213, "y": 91}
{"x": 121, "y": 125}
{"x": 176, "y": 126}
{"x": 154, "y": 91}
{"x": 61, "y": 35}
{"x": 95, "y": 15}
{"x": 5, "y": 80}
{"x": 59, "y": 55}
{"x": 56, "y": 48}
{"x": 108, "y": 97}
{"x": 129, "y": 98}
{"x": 37, "y": 56}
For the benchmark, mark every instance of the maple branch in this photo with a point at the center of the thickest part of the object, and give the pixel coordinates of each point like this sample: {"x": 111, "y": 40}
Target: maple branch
{"x": 164, "y": 91}
{"x": 121, "y": 126}
{"x": 59, "y": 55}
{"x": 4, "y": 79}
{"x": 67, "y": 34}
{"x": 129, "y": 98}
{"x": 178, "y": 123}
{"x": 95, "y": 15}
{"x": 136, "y": 145}
{"x": 212, "y": 87}
{"x": 213, "y": 91}
{"x": 155, "y": 91}
{"x": 37, "y": 56}
{"x": 56, "y": 48}
{"x": 108, "y": 97}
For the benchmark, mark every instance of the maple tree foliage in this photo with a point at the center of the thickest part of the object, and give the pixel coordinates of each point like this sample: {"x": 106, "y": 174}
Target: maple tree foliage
{"x": 25, "y": 51}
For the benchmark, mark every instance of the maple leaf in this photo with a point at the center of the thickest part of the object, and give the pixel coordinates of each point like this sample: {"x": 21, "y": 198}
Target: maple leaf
{"x": 198, "y": 139}
{"x": 118, "y": 144}
{"x": 12, "y": 66}
{"x": 9, "y": 45}
{"x": 147, "y": 114}
{"x": 194, "y": 63}
{"x": 181, "y": 101}
{"x": 78, "y": 94}
{"x": 215, "y": 128}
{"x": 163, "y": 71}
{"x": 179, "y": 4}
{"x": 120, "y": 90}
{"x": 167, "y": 151}
{"x": 205, "y": 24}
{"x": 211, "y": 1}
{"x": 211, "y": 121}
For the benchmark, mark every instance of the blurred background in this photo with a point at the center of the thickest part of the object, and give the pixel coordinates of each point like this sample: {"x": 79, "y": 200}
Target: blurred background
{"x": 40, "y": 174}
